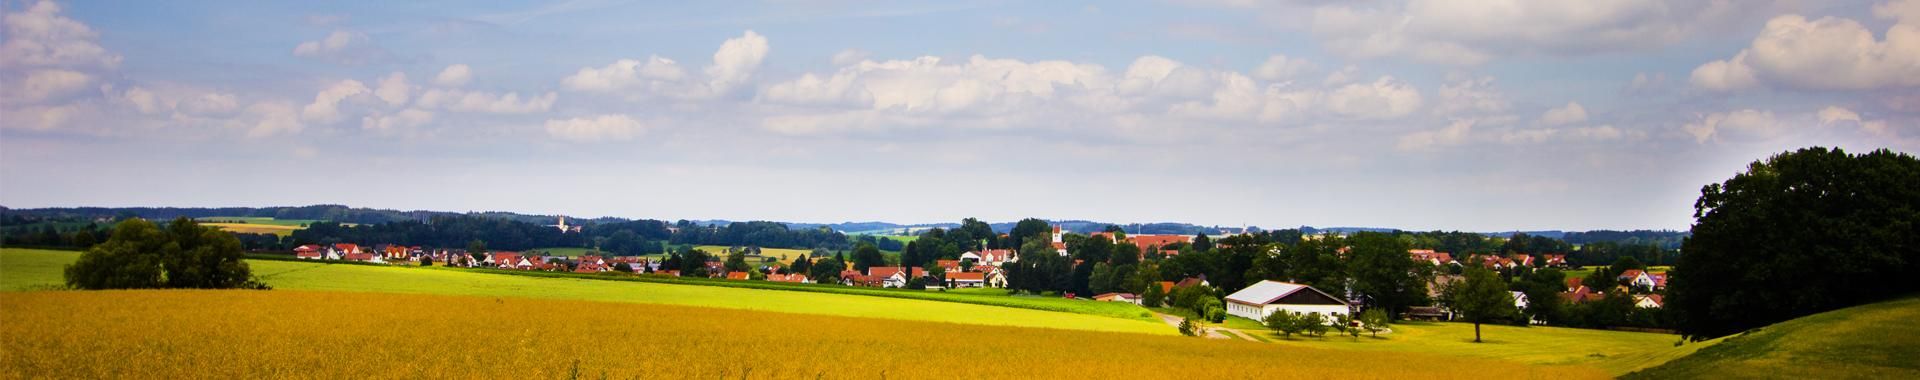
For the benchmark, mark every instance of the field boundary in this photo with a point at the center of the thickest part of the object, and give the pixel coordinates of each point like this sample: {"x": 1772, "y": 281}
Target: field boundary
{"x": 986, "y": 300}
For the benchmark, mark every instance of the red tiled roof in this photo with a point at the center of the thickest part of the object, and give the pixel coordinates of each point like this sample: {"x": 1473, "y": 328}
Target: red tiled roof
{"x": 736, "y": 275}
{"x": 967, "y": 276}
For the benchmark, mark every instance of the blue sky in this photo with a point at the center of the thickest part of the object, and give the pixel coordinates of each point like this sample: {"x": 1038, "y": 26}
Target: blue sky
{"x": 1419, "y": 114}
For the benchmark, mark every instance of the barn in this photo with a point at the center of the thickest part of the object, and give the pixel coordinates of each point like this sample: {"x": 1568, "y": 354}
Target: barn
{"x": 1257, "y": 301}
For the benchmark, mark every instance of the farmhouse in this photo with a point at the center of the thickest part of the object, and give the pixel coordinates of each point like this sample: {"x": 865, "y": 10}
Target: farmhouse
{"x": 1118, "y": 297}
{"x": 966, "y": 279}
{"x": 1431, "y": 257}
{"x": 1650, "y": 301}
{"x": 590, "y": 264}
{"x": 1266, "y": 297}
{"x": 1638, "y": 279}
{"x": 737, "y": 275}
{"x": 893, "y": 277}
{"x": 309, "y": 252}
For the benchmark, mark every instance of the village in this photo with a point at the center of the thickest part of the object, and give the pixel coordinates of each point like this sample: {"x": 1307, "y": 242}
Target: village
{"x": 985, "y": 268}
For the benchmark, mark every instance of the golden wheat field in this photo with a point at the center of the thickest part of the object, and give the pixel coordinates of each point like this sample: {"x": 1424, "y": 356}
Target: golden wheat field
{"x": 289, "y": 334}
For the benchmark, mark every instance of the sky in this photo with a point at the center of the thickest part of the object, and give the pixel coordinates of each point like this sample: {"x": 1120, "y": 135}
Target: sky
{"x": 1478, "y": 115}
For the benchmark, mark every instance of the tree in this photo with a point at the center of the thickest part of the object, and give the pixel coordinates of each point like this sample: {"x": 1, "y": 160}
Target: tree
{"x": 1314, "y": 324}
{"x": 801, "y": 265}
{"x": 1101, "y": 281}
{"x": 1481, "y": 298}
{"x": 736, "y": 261}
{"x": 1153, "y": 297}
{"x": 1344, "y": 324}
{"x": 1314, "y": 262}
{"x": 1201, "y": 242}
{"x": 426, "y": 261}
{"x": 827, "y": 271}
{"x": 184, "y": 255}
{"x": 1284, "y": 322}
{"x": 1625, "y": 263}
{"x": 1374, "y": 320}
{"x": 867, "y": 256}
{"x": 1382, "y": 270}
{"x": 1188, "y": 328}
{"x": 476, "y": 248}
{"x": 693, "y": 262}
{"x": 622, "y": 267}
{"x": 1840, "y": 228}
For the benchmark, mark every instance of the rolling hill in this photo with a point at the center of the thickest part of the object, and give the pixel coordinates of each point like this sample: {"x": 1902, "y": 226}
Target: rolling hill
{"x": 1874, "y": 341}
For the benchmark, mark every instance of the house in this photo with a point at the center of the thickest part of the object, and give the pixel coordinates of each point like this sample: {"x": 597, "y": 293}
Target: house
{"x": 797, "y": 278}
{"x": 1524, "y": 260}
{"x": 1118, "y": 297}
{"x": 1637, "y": 279}
{"x": 1650, "y": 301}
{"x": 1166, "y": 287}
{"x": 339, "y": 251}
{"x": 737, "y": 275}
{"x": 1191, "y": 281}
{"x": 894, "y": 277}
{"x": 510, "y": 260}
{"x": 1519, "y": 299}
{"x": 396, "y": 252}
{"x": 1555, "y": 260}
{"x": 993, "y": 257}
{"x": 966, "y": 279}
{"x": 1581, "y": 294}
{"x": 590, "y": 264}
{"x": 1267, "y": 297}
{"x": 1149, "y": 243}
{"x": 950, "y": 265}
{"x": 997, "y": 278}
{"x": 309, "y": 252}
{"x": 364, "y": 257}
{"x": 1431, "y": 257}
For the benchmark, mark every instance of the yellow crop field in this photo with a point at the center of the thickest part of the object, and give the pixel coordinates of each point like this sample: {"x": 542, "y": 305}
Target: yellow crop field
{"x": 250, "y": 228}
{"x": 291, "y": 334}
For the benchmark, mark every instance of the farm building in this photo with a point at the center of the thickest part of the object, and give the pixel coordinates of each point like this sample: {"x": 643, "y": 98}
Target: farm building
{"x": 966, "y": 279}
{"x": 1118, "y": 297}
{"x": 1266, "y": 297}
{"x": 309, "y": 251}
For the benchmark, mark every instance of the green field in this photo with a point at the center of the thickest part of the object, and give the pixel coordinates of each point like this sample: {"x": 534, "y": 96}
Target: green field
{"x": 785, "y": 255}
{"x": 22, "y": 269}
{"x": 1617, "y": 352}
{"x": 1874, "y": 341}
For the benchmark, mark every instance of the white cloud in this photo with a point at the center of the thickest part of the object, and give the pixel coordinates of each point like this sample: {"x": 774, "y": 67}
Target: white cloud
{"x": 325, "y": 108}
{"x": 1454, "y": 133}
{"x": 1470, "y": 96}
{"x": 1903, "y": 11}
{"x": 1828, "y": 53}
{"x": 485, "y": 102}
{"x": 394, "y": 89}
{"x": 343, "y": 47}
{"x": 733, "y": 64}
{"x": 1383, "y": 99}
{"x": 1836, "y": 116}
{"x": 49, "y": 84}
{"x": 1744, "y": 124}
{"x": 271, "y": 118}
{"x": 40, "y": 36}
{"x": 455, "y": 75}
{"x": 1280, "y": 67}
{"x": 1572, "y": 113}
{"x": 597, "y": 129}
{"x": 409, "y": 118}
{"x": 849, "y": 56}
{"x": 1344, "y": 76}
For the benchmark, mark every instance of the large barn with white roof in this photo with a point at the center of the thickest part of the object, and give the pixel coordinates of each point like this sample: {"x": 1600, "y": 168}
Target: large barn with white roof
{"x": 1257, "y": 301}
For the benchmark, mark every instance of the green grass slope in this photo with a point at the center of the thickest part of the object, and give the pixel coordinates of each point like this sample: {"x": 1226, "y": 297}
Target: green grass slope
{"x": 27, "y": 269}
{"x": 1874, "y": 341}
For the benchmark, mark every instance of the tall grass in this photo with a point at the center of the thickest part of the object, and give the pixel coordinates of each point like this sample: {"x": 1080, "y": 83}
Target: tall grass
{"x": 291, "y": 334}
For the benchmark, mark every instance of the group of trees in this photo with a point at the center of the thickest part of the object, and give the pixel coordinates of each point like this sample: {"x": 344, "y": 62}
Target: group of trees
{"x": 183, "y": 254}
{"x": 1799, "y": 233}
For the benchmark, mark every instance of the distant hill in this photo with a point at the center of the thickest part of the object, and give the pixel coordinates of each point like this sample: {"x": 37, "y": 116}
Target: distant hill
{"x": 1873, "y": 341}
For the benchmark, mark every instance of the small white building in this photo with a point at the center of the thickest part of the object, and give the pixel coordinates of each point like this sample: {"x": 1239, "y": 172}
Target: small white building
{"x": 1266, "y": 297}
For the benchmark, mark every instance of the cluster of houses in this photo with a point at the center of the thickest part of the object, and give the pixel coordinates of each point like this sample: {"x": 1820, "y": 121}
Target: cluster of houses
{"x": 1643, "y": 286}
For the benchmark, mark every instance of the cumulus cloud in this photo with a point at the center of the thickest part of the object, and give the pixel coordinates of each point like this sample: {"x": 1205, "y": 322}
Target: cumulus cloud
{"x": 343, "y": 47}
{"x": 41, "y": 36}
{"x": 1385, "y": 98}
{"x": 1280, "y": 67}
{"x": 1828, "y": 53}
{"x": 596, "y": 129}
{"x": 1837, "y": 116}
{"x": 394, "y": 89}
{"x": 271, "y": 118}
{"x": 409, "y": 118}
{"x": 849, "y": 56}
{"x": 1572, "y": 113}
{"x": 1470, "y": 96}
{"x": 455, "y": 75}
{"x": 733, "y": 64}
{"x": 486, "y": 102}
{"x": 1746, "y": 123}
{"x": 1454, "y": 133}
{"x": 48, "y": 84}
{"x": 325, "y": 108}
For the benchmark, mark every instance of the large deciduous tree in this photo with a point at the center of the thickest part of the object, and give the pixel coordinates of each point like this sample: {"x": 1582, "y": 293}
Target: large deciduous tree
{"x": 1800, "y": 233}
{"x": 1381, "y": 269}
{"x": 1481, "y": 298}
{"x": 141, "y": 255}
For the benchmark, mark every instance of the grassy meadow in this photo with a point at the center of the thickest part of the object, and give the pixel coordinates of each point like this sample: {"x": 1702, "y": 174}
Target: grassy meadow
{"x": 1874, "y": 341}
{"x": 298, "y": 334}
{"x": 23, "y": 269}
{"x": 785, "y": 255}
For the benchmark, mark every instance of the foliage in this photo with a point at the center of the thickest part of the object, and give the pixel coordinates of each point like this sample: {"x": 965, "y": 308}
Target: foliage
{"x": 1314, "y": 324}
{"x": 1187, "y": 328}
{"x": 1383, "y": 272}
{"x": 1481, "y": 298}
{"x": 1800, "y": 233}
{"x": 867, "y": 256}
{"x": 1286, "y": 323}
{"x": 1374, "y": 321}
{"x": 1153, "y": 297}
{"x": 141, "y": 255}
{"x": 1873, "y": 341}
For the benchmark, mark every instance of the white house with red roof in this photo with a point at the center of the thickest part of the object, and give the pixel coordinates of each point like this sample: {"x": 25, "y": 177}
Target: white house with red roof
{"x": 966, "y": 279}
{"x": 1267, "y": 297}
{"x": 894, "y": 277}
{"x": 309, "y": 252}
{"x": 1650, "y": 301}
{"x": 1636, "y": 278}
